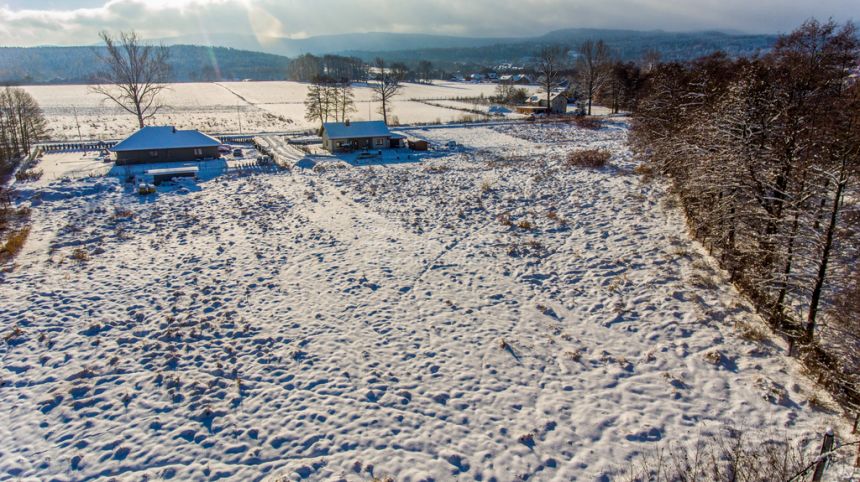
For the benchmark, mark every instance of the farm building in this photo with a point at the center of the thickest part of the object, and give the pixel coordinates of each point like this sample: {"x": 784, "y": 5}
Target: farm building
{"x": 418, "y": 145}
{"x": 349, "y": 136}
{"x": 519, "y": 79}
{"x": 537, "y": 104}
{"x": 165, "y": 144}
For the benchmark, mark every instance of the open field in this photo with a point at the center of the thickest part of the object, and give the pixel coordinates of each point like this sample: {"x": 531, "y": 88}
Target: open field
{"x": 480, "y": 313}
{"x": 231, "y": 107}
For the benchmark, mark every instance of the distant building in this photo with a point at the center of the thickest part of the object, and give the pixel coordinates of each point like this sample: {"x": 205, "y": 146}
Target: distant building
{"x": 537, "y": 104}
{"x": 348, "y": 136}
{"x": 519, "y": 79}
{"x": 165, "y": 144}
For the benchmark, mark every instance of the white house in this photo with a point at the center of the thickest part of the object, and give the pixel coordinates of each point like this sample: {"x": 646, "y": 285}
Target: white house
{"x": 349, "y": 136}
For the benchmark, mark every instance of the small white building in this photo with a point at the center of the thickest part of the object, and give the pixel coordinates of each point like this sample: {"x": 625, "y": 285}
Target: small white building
{"x": 349, "y": 136}
{"x": 537, "y": 103}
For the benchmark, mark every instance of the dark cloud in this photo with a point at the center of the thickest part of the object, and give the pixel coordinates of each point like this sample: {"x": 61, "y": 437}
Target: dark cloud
{"x": 51, "y": 22}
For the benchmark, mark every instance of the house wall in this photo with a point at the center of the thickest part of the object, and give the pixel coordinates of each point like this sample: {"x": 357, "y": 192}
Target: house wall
{"x": 559, "y": 105}
{"x": 357, "y": 142}
{"x": 165, "y": 155}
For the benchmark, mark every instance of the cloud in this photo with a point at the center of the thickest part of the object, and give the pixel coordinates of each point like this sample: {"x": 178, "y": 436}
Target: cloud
{"x": 300, "y": 18}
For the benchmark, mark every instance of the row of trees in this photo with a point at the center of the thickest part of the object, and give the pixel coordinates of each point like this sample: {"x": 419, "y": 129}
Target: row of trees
{"x": 307, "y": 68}
{"x": 596, "y": 75}
{"x": 329, "y": 99}
{"x": 22, "y": 124}
{"x": 764, "y": 155}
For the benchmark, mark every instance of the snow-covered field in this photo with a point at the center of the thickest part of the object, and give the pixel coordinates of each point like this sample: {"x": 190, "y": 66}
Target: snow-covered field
{"x": 233, "y": 107}
{"x": 342, "y": 323}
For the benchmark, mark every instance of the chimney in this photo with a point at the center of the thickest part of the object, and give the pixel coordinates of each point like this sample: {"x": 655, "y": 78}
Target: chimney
{"x": 174, "y": 129}
{"x": 346, "y": 123}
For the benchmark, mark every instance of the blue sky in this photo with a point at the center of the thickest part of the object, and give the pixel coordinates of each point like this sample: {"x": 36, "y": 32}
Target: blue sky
{"x": 76, "y": 22}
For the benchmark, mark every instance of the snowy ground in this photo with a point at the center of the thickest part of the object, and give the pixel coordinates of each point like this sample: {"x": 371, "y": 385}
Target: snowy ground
{"x": 341, "y": 323}
{"x": 233, "y": 107}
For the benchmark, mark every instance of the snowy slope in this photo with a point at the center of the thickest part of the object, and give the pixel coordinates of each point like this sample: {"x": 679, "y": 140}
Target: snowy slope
{"x": 346, "y": 323}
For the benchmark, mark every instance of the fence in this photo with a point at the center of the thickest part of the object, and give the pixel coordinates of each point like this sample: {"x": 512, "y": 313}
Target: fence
{"x": 77, "y": 146}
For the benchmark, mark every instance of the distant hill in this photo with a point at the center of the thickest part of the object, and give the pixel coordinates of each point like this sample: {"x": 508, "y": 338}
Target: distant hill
{"x": 243, "y": 56}
{"x": 37, "y": 65}
{"x": 629, "y": 44}
{"x": 336, "y": 44}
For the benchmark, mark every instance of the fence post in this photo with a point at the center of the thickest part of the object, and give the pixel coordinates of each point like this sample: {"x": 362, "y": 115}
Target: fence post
{"x": 856, "y": 421}
{"x": 857, "y": 460}
{"x": 826, "y": 447}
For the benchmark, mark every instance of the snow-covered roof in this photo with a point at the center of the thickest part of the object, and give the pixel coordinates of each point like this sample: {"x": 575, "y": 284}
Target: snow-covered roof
{"x": 341, "y": 130}
{"x": 540, "y": 97}
{"x": 165, "y": 137}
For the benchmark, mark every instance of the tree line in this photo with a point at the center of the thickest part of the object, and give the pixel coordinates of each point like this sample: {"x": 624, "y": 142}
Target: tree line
{"x": 764, "y": 155}
{"x": 22, "y": 125}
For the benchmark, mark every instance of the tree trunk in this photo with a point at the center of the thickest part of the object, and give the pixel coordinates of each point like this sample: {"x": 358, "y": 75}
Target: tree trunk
{"x": 825, "y": 254}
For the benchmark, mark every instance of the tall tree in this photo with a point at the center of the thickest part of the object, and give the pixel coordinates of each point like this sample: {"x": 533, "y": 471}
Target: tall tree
{"x": 133, "y": 74}
{"x": 594, "y": 68}
{"x": 551, "y": 62}
{"x": 386, "y": 88}
{"x": 22, "y": 125}
{"x": 318, "y": 101}
{"x": 345, "y": 100}
{"x": 425, "y": 70}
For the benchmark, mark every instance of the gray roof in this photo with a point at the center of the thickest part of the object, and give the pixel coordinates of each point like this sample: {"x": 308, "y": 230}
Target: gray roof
{"x": 165, "y": 137}
{"x": 354, "y": 130}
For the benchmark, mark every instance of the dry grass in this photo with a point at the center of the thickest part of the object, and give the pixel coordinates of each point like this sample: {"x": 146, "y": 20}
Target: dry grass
{"x": 14, "y": 243}
{"x": 80, "y": 255}
{"x": 525, "y": 224}
{"x": 590, "y": 158}
{"x": 750, "y": 333}
{"x": 587, "y": 122}
{"x": 122, "y": 213}
{"x": 646, "y": 171}
{"x": 505, "y": 220}
{"x": 26, "y": 175}
{"x": 728, "y": 454}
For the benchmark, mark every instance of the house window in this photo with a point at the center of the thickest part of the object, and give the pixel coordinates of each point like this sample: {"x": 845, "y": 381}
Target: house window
{"x": 339, "y": 144}
{"x": 198, "y": 152}
{"x": 378, "y": 142}
{"x": 153, "y": 153}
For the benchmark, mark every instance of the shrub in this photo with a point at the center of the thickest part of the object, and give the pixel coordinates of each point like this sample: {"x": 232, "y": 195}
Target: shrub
{"x": 727, "y": 455}
{"x": 80, "y": 254}
{"x": 587, "y": 122}
{"x": 644, "y": 170}
{"x": 25, "y": 175}
{"x": 591, "y": 158}
{"x": 15, "y": 243}
{"x": 525, "y": 224}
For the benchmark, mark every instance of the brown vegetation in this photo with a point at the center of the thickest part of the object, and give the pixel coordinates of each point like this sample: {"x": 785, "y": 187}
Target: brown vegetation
{"x": 591, "y": 158}
{"x": 764, "y": 156}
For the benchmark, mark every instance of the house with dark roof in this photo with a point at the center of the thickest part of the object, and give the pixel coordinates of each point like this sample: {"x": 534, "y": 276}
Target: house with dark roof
{"x": 349, "y": 136}
{"x": 153, "y": 144}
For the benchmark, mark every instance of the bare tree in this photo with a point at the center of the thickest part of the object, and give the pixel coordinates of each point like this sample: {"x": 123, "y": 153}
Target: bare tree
{"x": 133, "y": 75}
{"x": 345, "y": 99}
{"x": 386, "y": 88}
{"x": 22, "y": 124}
{"x": 551, "y": 62}
{"x": 318, "y": 105}
{"x": 594, "y": 68}
{"x": 425, "y": 69}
